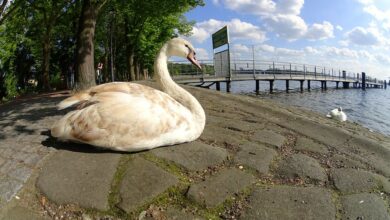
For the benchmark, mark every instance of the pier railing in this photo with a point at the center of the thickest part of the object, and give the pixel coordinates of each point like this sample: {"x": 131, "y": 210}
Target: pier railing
{"x": 248, "y": 68}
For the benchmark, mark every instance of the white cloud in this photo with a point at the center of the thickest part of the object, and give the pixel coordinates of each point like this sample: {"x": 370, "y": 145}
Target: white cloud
{"x": 383, "y": 59}
{"x": 289, "y": 6}
{"x": 199, "y": 34}
{"x": 320, "y": 31}
{"x": 311, "y": 50}
{"x": 239, "y": 48}
{"x": 216, "y": 2}
{"x": 282, "y": 17}
{"x": 366, "y": 2}
{"x": 202, "y": 54}
{"x": 378, "y": 14}
{"x": 256, "y": 7}
{"x": 289, "y": 27}
{"x": 238, "y": 30}
{"x": 338, "y": 27}
{"x": 266, "y": 48}
{"x": 284, "y": 52}
{"x": 365, "y": 37}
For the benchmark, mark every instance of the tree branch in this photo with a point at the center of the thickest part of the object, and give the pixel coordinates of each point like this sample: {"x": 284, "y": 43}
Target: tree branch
{"x": 2, "y": 6}
{"x": 9, "y": 12}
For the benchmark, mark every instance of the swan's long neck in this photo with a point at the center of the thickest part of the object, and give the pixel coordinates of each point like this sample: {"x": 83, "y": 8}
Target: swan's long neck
{"x": 175, "y": 91}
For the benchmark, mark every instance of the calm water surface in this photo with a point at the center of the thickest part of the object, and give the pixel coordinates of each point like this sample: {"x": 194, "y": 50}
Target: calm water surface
{"x": 370, "y": 108}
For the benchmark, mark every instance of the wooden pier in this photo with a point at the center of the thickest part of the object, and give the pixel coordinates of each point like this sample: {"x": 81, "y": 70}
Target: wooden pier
{"x": 356, "y": 81}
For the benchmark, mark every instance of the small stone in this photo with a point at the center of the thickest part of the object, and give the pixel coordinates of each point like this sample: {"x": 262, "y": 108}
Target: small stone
{"x": 240, "y": 167}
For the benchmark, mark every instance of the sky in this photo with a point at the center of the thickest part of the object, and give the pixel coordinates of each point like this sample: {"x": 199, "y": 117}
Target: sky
{"x": 352, "y": 35}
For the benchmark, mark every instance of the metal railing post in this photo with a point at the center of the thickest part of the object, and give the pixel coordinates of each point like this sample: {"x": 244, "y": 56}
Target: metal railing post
{"x": 273, "y": 68}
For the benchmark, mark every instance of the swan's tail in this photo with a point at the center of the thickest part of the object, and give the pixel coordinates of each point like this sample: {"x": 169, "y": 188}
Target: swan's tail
{"x": 75, "y": 99}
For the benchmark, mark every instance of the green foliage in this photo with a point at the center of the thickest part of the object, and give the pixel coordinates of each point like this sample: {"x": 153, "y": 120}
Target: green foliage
{"x": 138, "y": 29}
{"x": 55, "y": 80}
{"x": 11, "y": 86}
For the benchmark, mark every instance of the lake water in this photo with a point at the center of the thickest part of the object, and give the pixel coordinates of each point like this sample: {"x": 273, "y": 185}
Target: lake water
{"x": 370, "y": 108}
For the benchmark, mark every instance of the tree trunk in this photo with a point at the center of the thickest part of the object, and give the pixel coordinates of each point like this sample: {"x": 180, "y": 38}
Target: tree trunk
{"x": 130, "y": 65}
{"x": 46, "y": 64}
{"x": 85, "y": 70}
{"x": 137, "y": 69}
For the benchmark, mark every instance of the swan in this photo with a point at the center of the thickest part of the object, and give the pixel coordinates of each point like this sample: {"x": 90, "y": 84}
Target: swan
{"x": 338, "y": 114}
{"x": 126, "y": 116}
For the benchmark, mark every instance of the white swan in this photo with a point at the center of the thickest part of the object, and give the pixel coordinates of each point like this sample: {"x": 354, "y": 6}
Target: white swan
{"x": 338, "y": 114}
{"x": 132, "y": 117}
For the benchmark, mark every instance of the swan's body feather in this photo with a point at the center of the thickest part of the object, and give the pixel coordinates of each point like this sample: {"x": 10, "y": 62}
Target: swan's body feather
{"x": 133, "y": 117}
{"x": 113, "y": 121}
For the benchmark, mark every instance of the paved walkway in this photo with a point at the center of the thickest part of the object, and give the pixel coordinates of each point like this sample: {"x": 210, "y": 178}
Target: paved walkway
{"x": 255, "y": 160}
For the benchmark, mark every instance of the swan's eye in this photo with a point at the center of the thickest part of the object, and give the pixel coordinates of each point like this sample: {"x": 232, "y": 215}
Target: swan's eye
{"x": 187, "y": 46}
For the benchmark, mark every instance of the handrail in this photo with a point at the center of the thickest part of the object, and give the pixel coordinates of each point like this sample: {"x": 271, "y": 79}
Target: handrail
{"x": 256, "y": 67}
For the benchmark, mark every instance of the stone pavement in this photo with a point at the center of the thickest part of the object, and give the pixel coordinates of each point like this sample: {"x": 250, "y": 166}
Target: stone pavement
{"x": 254, "y": 160}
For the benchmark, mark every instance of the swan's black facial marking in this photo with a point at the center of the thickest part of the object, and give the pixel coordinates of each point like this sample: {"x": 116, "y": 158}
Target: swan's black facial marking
{"x": 190, "y": 50}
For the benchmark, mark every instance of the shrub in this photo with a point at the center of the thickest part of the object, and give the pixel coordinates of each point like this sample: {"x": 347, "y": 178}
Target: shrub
{"x": 11, "y": 85}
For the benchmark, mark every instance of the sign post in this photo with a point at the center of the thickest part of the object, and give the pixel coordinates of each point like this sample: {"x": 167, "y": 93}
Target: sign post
{"x": 221, "y": 38}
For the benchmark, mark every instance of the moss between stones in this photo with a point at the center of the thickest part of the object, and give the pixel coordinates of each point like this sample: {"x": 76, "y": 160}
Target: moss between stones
{"x": 171, "y": 167}
{"x": 337, "y": 202}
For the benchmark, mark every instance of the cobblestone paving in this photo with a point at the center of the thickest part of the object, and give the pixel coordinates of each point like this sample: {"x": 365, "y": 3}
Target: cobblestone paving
{"x": 255, "y": 160}
{"x": 24, "y": 126}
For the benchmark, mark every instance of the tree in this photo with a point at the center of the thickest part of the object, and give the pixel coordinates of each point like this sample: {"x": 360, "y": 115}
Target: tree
{"x": 85, "y": 70}
{"x": 47, "y": 14}
{"x": 154, "y": 19}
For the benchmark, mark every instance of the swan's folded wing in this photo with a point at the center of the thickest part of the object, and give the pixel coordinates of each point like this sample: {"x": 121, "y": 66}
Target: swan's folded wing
{"x": 83, "y": 98}
{"x": 122, "y": 119}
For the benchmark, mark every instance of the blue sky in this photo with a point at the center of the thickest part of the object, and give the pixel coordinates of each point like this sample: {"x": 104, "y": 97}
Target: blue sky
{"x": 343, "y": 34}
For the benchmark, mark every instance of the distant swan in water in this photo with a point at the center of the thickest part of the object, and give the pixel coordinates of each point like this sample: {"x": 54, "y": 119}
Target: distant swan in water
{"x": 337, "y": 114}
{"x": 132, "y": 117}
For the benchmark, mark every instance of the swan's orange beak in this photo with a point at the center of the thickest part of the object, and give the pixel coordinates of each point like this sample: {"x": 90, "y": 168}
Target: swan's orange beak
{"x": 192, "y": 59}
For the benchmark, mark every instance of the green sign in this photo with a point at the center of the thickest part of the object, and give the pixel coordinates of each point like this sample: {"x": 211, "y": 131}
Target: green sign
{"x": 220, "y": 37}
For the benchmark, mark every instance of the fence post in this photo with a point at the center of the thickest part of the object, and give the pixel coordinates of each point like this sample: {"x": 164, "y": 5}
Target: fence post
{"x": 253, "y": 58}
{"x": 290, "y": 70}
{"x": 273, "y": 69}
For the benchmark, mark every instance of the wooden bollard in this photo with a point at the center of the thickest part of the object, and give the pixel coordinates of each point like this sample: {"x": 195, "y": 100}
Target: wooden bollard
{"x": 301, "y": 84}
{"x": 287, "y": 85}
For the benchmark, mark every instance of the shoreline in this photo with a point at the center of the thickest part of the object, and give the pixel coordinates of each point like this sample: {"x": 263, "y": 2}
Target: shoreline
{"x": 251, "y": 150}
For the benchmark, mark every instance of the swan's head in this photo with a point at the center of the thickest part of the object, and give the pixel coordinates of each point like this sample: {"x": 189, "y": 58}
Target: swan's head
{"x": 340, "y": 109}
{"x": 182, "y": 48}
